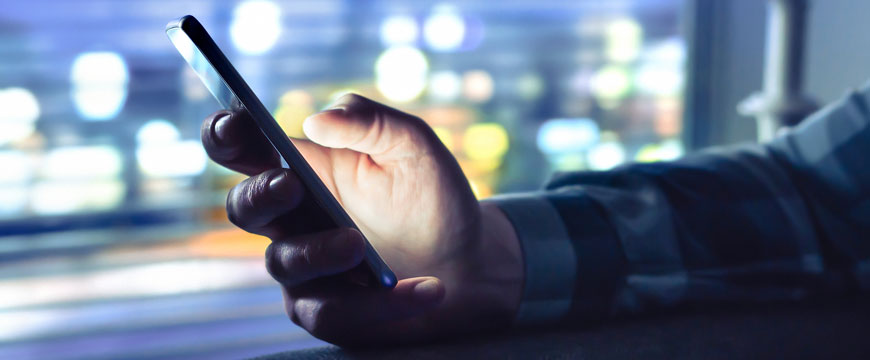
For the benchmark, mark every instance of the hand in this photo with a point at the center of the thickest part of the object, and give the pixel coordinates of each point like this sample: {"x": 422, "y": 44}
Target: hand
{"x": 459, "y": 263}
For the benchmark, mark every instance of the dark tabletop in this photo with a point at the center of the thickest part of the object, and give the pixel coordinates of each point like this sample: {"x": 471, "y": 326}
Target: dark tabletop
{"x": 829, "y": 330}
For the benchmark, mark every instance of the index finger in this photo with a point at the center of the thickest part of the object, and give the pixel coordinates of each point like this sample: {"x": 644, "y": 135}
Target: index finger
{"x": 233, "y": 140}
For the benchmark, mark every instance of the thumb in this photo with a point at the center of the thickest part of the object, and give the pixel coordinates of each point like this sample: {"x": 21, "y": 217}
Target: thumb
{"x": 360, "y": 124}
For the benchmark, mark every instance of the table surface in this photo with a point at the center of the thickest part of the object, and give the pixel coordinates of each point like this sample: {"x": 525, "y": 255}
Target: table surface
{"x": 838, "y": 329}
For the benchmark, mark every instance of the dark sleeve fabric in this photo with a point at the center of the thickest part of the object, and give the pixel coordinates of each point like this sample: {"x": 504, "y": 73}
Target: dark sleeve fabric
{"x": 748, "y": 224}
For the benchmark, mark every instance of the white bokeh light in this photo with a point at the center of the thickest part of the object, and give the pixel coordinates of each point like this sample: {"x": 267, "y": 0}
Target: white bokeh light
{"x": 399, "y": 30}
{"x": 172, "y": 159}
{"x": 157, "y": 131}
{"x": 560, "y": 136}
{"x": 444, "y": 30}
{"x": 659, "y": 79}
{"x": 17, "y": 167}
{"x": 256, "y": 26}
{"x": 401, "y": 72}
{"x": 99, "y": 82}
{"x": 445, "y": 86}
{"x": 606, "y": 155}
{"x": 62, "y": 197}
{"x": 19, "y": 110}
{"x": 82, "y": 162}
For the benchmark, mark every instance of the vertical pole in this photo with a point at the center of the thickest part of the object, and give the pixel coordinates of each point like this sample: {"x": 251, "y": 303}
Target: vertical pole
{"x": 781, "y": 102}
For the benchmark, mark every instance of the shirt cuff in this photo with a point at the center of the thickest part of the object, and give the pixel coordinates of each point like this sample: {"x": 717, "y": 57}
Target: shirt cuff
{"x": 550, "y": 264}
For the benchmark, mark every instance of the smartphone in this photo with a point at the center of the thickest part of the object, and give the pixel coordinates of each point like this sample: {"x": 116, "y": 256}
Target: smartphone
{"x": 319, "y": 210}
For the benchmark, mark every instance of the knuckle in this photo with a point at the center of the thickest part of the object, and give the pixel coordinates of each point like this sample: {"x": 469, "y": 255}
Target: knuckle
{"x": 350, "y": 99}
{"x": 274, "y": 263}
{"x": 232, "y": 206}
{"x": 321, "y": 321}
{"x": 249, "y": 198}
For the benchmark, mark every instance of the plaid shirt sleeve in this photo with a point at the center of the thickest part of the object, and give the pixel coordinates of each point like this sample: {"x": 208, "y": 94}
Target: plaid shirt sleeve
{"x": 755, "y": 223}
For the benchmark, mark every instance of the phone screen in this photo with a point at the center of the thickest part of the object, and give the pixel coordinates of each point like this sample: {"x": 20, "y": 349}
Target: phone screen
{"x": 319, "y": 210}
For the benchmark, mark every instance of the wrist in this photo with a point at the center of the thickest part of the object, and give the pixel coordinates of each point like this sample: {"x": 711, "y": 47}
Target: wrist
{"x": 500, "y": 271}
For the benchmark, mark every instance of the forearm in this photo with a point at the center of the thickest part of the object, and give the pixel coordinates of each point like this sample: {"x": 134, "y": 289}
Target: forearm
{"x": 748, "y": 224}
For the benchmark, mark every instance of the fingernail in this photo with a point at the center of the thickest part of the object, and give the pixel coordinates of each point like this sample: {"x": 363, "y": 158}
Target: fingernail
{"x": 335, "y": 108}
{"x": 284, "y": 190}
{"x": 427, "y": 290}
{"x": 220, "y": 128}
{"x": 277, "y": 186}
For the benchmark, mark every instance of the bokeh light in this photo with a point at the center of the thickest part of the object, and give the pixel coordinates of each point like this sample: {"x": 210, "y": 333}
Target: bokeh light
{"x": 623, "y": 39}
{"x": 485, "y": 141}
{"x": 611, "y": 83}
{"x": 444, "y": 29}
{"x": 82, "y": 162}
{"x": 157, "y": 131}
{"x": 477, "y": 86}
{"x": 667, "y": 150}
{"x": 657, "y": 79}
{"x": 63, "y": 197}
{"x": 401, "y": 72}
{"x": 293, "y": 107}
{"x": 99, "y": 82}
{"x": 19, "y": 110}
{"x": 174, "y": 159}
{"x": 445, "y": 86}
{"x": 530, "y": 86}
{"x": 606, "y": 154}
{"x": 162, "y": 153}
{"x": 256, "y": 26}
{"x": 560, "y": 136}
{"x": 17, "y": 167}
{"x": 399, "y": 30}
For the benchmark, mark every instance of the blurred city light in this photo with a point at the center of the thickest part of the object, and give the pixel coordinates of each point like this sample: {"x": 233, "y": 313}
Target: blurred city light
{"x": 477, "y": 86}
{"x": 99, "y": 84}
{"x": 606, "y": 154}
{"x": 399, "y": 30}
{"x": 611, "y": 83}
{"x": 667, "y": 150}
{"x": 657, "y": 79}
{"x": 162, "y": 153}
{"x": 256, "y": 26}
{"x": 13, "y": 199}
{"x": 141, "y": 279}
{"x": 82, "y": 162}
{"x": 623, "y": 39}
{"x": 561, "y": 136}
{"x": 444, "y": 29}
{"x": 63, "y": 197}
{"x": 401, "y": 72}
{"x": 293, "y": 107}
{"x": 445, "y": 86}
{"x": 19, "y": 110}
{"x": 17, "y": 167}
{"x": 569, "y": 162}
{"x": 485, "y": 141}
{"x": 667, "y": 122}
{"x": 172, "y": 159}
{"x": 668, "y": 51}
{"x": 530, "y": 86}
{"x": 157, "y": 131}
